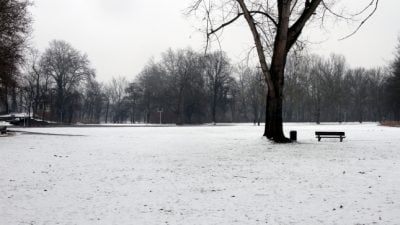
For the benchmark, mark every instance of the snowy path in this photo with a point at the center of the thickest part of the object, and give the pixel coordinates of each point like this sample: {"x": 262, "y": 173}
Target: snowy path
{"x": 200, "y": 175}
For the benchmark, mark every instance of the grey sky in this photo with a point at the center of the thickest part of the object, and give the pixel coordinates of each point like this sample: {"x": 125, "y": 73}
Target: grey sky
{"x": 120, "y": 36}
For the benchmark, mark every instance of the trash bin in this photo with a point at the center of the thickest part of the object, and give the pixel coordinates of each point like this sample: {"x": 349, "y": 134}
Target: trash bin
{"x": 293, "y": 135}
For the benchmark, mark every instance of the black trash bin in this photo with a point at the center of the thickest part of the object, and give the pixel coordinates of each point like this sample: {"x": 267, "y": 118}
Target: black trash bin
{"x": 293, "y": 135}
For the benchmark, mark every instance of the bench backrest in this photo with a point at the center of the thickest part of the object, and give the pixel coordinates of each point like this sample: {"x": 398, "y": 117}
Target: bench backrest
{"x": 339, "y": 133}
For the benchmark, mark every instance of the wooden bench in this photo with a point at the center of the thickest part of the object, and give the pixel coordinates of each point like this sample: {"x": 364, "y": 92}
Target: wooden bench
{"x": 329, "y": 134}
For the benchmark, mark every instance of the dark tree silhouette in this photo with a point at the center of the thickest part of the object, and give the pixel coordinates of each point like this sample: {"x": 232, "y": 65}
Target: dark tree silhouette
{"x": 15, "y": 25}
{"x": 68, "y": 68}
{"x": 393, "y": 86}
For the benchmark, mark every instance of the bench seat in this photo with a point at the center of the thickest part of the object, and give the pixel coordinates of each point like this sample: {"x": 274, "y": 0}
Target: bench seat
{"x": 330, "y": 134}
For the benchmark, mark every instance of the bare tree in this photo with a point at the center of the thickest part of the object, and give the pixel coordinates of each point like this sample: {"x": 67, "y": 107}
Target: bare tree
{"x": 218, "y": 75}
{"x": 107, "y": 98}
{"x": 392, "y": 86}
{"x": 152, "y": 82}
{"x": 243, "y": 85}
{"x": 295, "y": 92}
{"x": 333, "y": 71}
{"x": 92, "y": 102}
{"x": 358, "y": 81}
{"x": 118, "y": 87}
{"x": 316, "y": 87}
{"x": 68, "y": 68}
{"x": 133, "y": 95}
{"x": 33, "y": 78}
{"x": 376, "y": 92}
{"x": 15, "y": 25}
{"x": 183, "y": 72}
{"x": 276, "y": 27}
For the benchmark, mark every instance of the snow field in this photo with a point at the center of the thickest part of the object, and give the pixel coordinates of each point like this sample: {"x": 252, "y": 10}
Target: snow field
{"x": 200, "y": 175}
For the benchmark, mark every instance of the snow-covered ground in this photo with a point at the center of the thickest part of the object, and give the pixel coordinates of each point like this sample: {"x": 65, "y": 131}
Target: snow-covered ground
{"x": 200, "y": 175}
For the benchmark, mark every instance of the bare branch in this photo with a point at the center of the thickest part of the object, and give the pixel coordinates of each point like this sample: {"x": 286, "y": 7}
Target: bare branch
{"x": 293, "y": 7}
{"x": 212, "y": 31}
{"x": 194, "y": 7}
{"x": 266, "y": 15}
{"x": 259, "y": 46}
{"x": 363, "y": 21}
{"x": 295, "y": 30}
{"x": 365, "y": 9}
{"x": 334, "y": 13}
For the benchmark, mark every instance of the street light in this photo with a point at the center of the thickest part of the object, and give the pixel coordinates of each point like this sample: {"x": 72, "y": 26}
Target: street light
{"x": 160, "y": 110}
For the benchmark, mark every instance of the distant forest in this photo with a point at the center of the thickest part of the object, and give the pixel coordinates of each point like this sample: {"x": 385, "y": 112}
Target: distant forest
{"x": 189, "y": 87}
{"x": 184, "y": 86}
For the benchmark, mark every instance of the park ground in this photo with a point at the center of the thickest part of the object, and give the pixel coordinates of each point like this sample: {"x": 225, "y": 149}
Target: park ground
{"x": 208, "y": 175}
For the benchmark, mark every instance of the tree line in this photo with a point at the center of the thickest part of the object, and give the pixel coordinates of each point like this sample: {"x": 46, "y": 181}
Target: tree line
{"x": 189, "y": 87}
{"x": 186, "y": 86}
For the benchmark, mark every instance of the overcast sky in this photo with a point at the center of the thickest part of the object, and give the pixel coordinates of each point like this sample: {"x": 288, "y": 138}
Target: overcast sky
{"x": 120, "y": 36}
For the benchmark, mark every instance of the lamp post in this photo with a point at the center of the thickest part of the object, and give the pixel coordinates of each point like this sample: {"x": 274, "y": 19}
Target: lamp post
{"x": 160, "y": 110}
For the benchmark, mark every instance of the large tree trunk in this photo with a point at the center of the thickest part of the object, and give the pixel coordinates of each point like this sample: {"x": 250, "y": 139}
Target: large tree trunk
{"x": 274, "y": 123}
{"x": 273, "y": 118}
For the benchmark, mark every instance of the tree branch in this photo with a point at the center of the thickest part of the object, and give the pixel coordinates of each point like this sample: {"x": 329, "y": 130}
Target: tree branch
{"x": 259, "y": 46}
{"x": 295, "y": 30}
{"x": 212, "y": 31}
{"x": 334, "y": 13}
{"x": 266, "y": 15}
{"x": 363, "y": 21}
{"x": 237, "y": 17}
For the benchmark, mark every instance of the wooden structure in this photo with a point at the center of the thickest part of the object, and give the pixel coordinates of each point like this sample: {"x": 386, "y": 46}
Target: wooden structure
{"x": 330, "y": 134}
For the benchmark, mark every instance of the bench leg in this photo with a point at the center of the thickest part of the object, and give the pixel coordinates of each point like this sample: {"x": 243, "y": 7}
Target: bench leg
{"x": 341, "y": 139}
{"x": 319, "y": 138}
